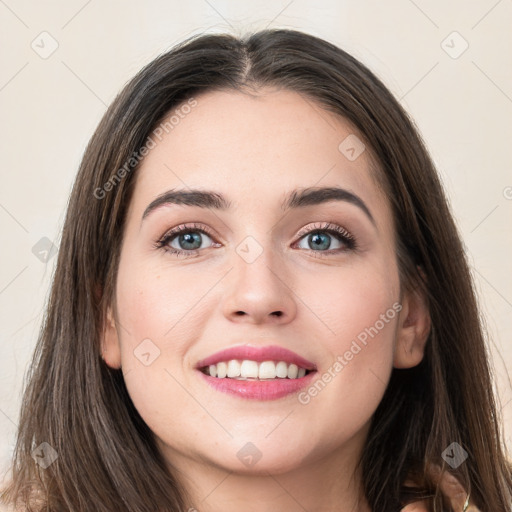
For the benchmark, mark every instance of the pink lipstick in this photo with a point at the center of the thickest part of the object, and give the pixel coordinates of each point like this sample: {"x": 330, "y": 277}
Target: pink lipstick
{"x": 258, "y": 373}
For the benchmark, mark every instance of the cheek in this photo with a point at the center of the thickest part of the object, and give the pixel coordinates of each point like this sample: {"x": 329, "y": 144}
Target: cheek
{"x": 162, "y": 305}
{"x": 350, "y": 301}
{"x": 161, "y": 313}
{"x": 358, "y": 310}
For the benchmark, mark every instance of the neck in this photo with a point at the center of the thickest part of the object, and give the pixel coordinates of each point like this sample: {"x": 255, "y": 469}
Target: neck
{"x": 323, "y": 484}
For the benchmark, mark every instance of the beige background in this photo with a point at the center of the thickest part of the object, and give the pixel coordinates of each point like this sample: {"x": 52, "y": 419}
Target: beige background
{"x": 50, "y": 105}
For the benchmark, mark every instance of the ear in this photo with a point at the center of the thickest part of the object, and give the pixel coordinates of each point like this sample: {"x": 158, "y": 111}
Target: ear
{"x": 110, "y": 346}
{"x": 412, "y": 331}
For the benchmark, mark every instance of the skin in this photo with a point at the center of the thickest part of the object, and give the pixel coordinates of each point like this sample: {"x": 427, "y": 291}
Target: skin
{"x": 254, "y": 149}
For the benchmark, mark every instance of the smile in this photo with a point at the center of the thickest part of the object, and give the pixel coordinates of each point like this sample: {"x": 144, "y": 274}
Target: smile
{"x": 248, "y": 369}
{"x": 254, "y": 372}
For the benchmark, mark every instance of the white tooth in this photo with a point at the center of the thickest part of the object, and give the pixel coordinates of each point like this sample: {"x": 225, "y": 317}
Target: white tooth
{"x": 249, "y": 369}
{"x": 222, "y": 370}
{"x": 293, "y": 371}
{"x": 267, "y": 370}
{"x": 233, "y": 368}
{"x": 282, "y": 370}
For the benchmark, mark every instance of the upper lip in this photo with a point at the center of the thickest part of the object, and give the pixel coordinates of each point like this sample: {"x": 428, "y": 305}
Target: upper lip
{"x": 259, "y": 354}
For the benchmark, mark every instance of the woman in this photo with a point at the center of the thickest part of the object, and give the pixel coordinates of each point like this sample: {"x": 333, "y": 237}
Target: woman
{"x": 261, "y": 301}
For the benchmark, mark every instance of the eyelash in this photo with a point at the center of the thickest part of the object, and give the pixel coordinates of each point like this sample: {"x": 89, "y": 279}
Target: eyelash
{"x": 344, "y": 236}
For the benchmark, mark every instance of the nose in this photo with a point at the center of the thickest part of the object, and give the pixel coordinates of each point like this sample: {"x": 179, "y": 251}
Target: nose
{"x": 260, "y": 291}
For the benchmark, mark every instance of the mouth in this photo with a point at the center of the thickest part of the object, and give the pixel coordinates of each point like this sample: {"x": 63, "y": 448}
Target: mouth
{"x": 258, "y": 373}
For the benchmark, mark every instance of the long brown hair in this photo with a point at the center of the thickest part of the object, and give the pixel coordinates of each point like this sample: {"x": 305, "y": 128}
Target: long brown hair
{"x": 107, "y": 457}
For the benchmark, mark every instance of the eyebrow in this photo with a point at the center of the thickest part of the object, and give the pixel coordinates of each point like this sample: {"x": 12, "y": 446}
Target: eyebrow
{"x": 299, "y": 198}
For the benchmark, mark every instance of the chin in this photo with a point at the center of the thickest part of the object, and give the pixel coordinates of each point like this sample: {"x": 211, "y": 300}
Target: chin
{"x": 260, "y": 458}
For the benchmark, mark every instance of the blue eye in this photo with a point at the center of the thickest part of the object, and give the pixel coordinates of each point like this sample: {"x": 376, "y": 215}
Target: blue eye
{"x": 186, "y": 240}
{"x": 190, "y": 240}
{"x": 319, "y": 240}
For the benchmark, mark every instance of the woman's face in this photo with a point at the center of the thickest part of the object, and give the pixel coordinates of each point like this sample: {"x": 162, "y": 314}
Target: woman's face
{"x": 251, "y": 274}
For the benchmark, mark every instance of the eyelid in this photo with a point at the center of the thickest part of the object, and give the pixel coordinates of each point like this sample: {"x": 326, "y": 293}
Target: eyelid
{"x": 328, "y": 227}
{"x": 186, "y": 227}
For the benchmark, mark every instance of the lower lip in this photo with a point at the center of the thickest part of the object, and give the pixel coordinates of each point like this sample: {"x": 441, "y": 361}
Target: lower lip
{"x": 259, "y": 389}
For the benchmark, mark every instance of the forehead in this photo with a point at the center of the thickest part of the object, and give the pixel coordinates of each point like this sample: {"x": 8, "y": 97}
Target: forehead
{"x": 255, "y": 147}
